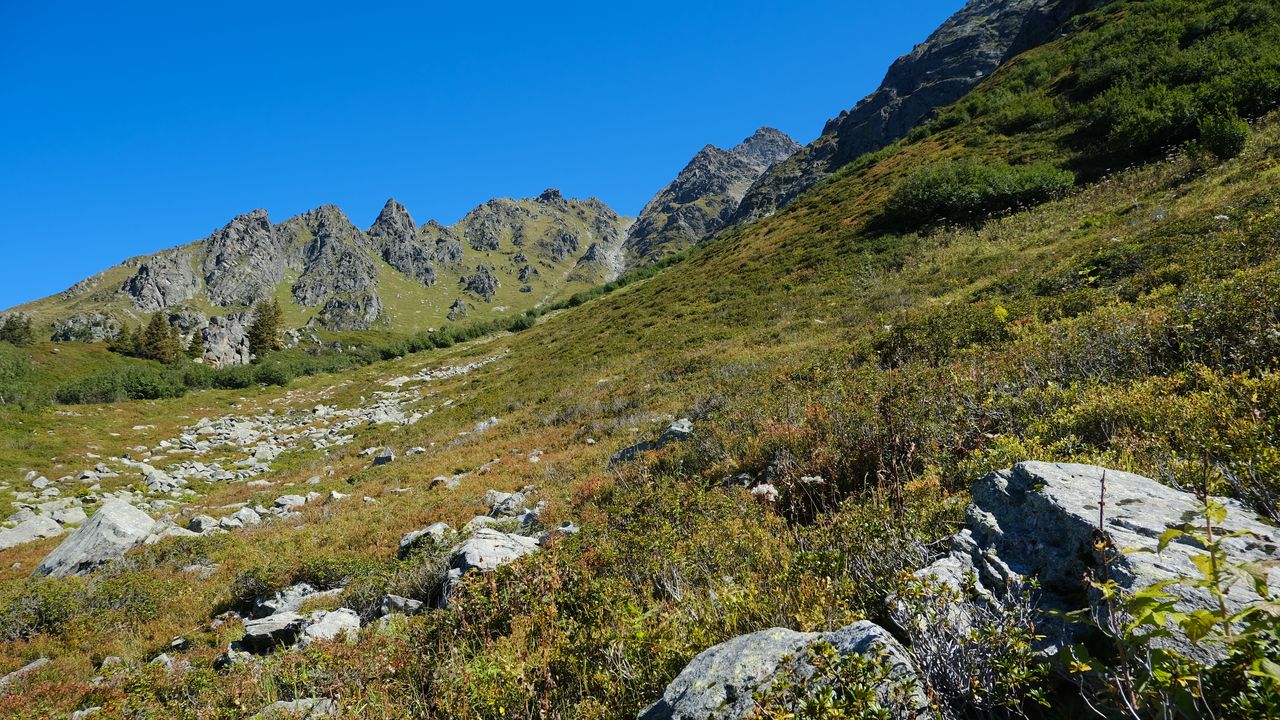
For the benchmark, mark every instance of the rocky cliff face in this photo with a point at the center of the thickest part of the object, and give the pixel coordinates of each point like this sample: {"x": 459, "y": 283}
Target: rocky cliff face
{"x": 396, "y": 238}
{"x": 245, "y": 260}
{"x": 967, "y": 48}
{"x": 704, "y": 195}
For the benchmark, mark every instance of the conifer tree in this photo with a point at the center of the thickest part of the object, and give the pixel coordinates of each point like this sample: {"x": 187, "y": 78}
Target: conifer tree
{"x": 160, "y": 340}
{"x": 264, "y": 332}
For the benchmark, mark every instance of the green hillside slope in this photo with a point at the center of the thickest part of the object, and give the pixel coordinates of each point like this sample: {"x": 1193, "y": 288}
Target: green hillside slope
{"x": 1129, "y": 319}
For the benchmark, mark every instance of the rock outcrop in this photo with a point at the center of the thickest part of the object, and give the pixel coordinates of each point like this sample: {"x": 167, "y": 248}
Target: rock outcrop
{"x": 719, "y": 684}
{"x": 246, "y": 260}
{"x": 396, "y": 239}
{"x": 704, "y": 195}
{"x": 961, "y": 53}
{"x": 1038, "y": 520}
{"x": 339, "y": 276}
{"x": 163, "y": 280}
{"x": 86, "y": 327}
{"x": 116, "y": 528}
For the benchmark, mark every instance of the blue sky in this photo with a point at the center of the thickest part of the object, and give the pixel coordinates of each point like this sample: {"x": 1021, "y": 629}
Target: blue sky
{"x": 133, "y": 126}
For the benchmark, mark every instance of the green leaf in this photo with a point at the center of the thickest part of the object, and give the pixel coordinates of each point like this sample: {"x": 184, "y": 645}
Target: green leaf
{"x": 1168, "y": 536}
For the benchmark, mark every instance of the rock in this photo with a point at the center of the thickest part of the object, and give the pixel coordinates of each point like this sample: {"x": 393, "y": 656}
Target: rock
{"x": 242, "y": 518}
{"x": 68, "y": 516}
{"x": 482, "y": 283}
{"x": 392, "y": 604}
{"x": 245, "y": 260}
{"x": 113, "y": 530}
{"x": 503, "y": 504}
{"x": 395, "y": 236}
{"x": 158, "y": 482}
{"x": 303, "y": 709}
{"x": 287, "y": 600}
{"x": 338, "y": 275}
{"x": 766, "y": 492}
{"x": 202, "y": 524}
{"x": 265, "y": 634}
{"x": 1038, "y": 520}
{"x": 702, "y": 198}
{"x": 162, "y": 280}
{"x": 27, "y": 669}
{"x": 719, "y": 683}
{"x": 287, "y": 502}
{"x": 86, "y": 327}
{"x": 164, "y": 530}
{"x": 86, "y": 712}
{"x": 233, "y": 657}
{"x": 323, "y": 626}
{"x": 385, "y": 456}
{"x": 436, "y": 532}
{"x": 34, "y": 528}
{"x": 458, "y": 310}
{"x": 226, "y": 340}
{"x": 679, "y": 430}
{"x": 488, "y": 548}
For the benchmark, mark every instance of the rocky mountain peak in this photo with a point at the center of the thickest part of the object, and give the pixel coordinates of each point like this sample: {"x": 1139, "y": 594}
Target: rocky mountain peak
{"x": 244, "y": 261}
{"x": 767, "y": 146}
{"x": 395, "y": 237}
{"x": 552, "y": 196}
{"x": 704, "y": 195}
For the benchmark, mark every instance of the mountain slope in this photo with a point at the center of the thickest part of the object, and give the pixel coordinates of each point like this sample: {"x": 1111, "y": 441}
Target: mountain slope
{"x": 961, "y": 53}
{"x": 704, "y": 195}
{"x": 503, "y": 256}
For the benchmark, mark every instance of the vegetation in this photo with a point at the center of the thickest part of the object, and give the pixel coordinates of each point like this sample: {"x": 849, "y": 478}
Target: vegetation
{"x": 15, "y": 329}
{"x": 868, "y": 372}
{"x": 968, "y": 191}
{"x": 264, "y": 331}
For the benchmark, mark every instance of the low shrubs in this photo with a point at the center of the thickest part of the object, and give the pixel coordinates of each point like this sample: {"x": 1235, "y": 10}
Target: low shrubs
{"x": 966, "y": 191}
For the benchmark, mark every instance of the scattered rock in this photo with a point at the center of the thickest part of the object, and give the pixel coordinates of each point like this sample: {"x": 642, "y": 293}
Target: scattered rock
{"x": 113, "y": 530}
{"x": 325, "y": 626}
{"x": 34, "y": 528}
{"x": 265, "y": 634}
{"x": 303, "y": 709}
{"x": 27, "y": 669}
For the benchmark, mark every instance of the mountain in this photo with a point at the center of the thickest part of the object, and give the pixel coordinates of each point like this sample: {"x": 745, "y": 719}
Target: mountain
{"x": 704, "y": 195}
{"x": 502, "y": 257}
{"x": 961, "y": 53}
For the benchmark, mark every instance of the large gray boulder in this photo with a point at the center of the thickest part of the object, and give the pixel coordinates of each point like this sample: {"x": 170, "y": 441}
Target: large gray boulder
{"x": 488, "y": 549}
{"x": 113, "y": 530}
{"x": 719, "y": 684}
{"x": 29, "y": 530}
{"x": 1039, "y": 520}
{"x": 268, "y": 633}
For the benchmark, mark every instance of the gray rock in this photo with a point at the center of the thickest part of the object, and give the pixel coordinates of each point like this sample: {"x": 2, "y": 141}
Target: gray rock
{"x": 435, "y": 532}
{"x": 163, "y": 280}
{"x": 385, "y": 456}
{"x": 338, "y": 275}
{"x": 704, "y": 195}
{"x": 287, "y": 502}
{"x": 242, "y": 518}
{"x": 396, "y": 238}
{"x": 226, "y": 340}
{"x": 86, "y": 327}
{"x": 202, "y": 524}
{"x": 324, "y": 626}
{"x": 482, "y": 283}
{"x": 265, "y": 634}
{"x": 303, "y": 709}
{"x": 677, "y": 431}
{"x": 113, "y": 530}
{"x": 245, "y": 260}
{"x": 720, "y": 682}
{"x": 35, "y": 528}
{"x": 395, "y": 604}
{"x": 488, "y": 549}
{"x": 68, "y": 516}
{"x": 27, "y": 669}
{"x": 1038, "y": 520}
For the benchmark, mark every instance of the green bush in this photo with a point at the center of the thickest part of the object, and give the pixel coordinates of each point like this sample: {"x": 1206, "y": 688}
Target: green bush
{"x": 272, "y": 373}
{"x": 1224, "y": 135}
{"x": 968, "y": 191}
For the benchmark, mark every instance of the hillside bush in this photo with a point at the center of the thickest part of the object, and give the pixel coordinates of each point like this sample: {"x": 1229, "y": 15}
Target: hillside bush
{"x": 1224, "y": 135}
{"x": 967, "y": 191}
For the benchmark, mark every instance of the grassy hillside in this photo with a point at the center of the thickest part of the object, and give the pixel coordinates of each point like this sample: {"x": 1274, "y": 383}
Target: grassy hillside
{"x": 1133, "y": 322}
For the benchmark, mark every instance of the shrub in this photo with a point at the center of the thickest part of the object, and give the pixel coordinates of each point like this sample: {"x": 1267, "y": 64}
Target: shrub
{"x": 16, "y": 330}
{"x": 272, "y": 373}
{"x": 1224, "y": 135}
{"x": 968, "y": 191}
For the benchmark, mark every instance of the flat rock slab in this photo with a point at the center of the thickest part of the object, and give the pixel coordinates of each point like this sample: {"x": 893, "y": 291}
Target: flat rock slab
{"x": 113, "y": 530}
{"x": 720, "y": 682}
{"x": 266, "y": 634}
{"x": 488, "y": 549}
{"x": 29, "y": 530}
{"x": 303, "y": 709}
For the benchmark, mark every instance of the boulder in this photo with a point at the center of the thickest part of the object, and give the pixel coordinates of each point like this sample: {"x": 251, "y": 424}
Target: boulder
{"x": 384, "y": 457}
{"x": 1039, "y": 520}
{"x": 113, "y": 530}
{"x": 324, "y": 626}
{"x": 679, "y": 430}
{"x": 402, "y": 605}
{"x": 34, "y": 528}
{"x": 720, "y": 682}
{"x": 265, "y": 634}
{"x": 435, "y": 532}
{"x": 27, "y": 669}
{"x": 303, "y": 709}
{"x": 488, "y": 548}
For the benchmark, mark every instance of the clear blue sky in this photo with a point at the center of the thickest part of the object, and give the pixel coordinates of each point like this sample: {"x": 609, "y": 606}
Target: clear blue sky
{"x": 133, "y": 126}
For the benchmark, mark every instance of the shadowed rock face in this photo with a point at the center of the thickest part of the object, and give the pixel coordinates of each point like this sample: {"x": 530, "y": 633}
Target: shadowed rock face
{"x": 395, "y": 236}
{"x": 961, "y": 53}
{"x": 339, "y": 273}
{"x": 163, "y": 280}
{"x": 703, "y": 197}
{"x": 245, "y": 261}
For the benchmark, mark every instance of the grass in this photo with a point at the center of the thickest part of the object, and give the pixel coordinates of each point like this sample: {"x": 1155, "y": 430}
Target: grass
{"x": 1131, "y": 323}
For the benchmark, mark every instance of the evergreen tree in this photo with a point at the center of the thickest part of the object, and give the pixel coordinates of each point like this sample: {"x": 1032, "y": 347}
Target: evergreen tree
{"x": 195, "y": 350}
{"x": 16, "y": 330}
{"x": 264, "y": 332}
{"x": 126, "y": 343}
{"x": 160, "y": 341}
